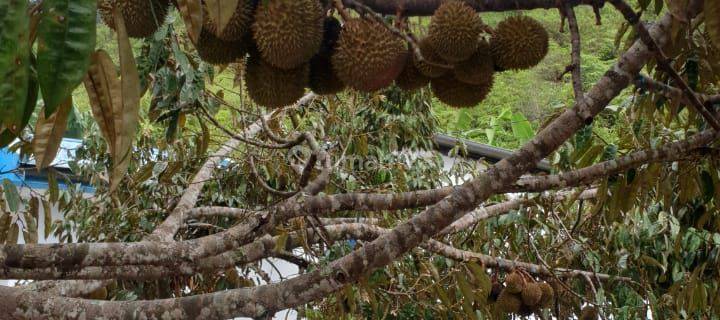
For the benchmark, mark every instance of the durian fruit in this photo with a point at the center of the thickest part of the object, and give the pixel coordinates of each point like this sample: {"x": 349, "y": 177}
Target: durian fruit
{"x": 548, "y": 294}
{"x": 479, "y": 68}
{"x": 514, "y": 282}
{"x": 454, "y": 31}
{"x": 430, "y": 66}
{"x": 459, "y": 95}
{"x": 288, "y": 32}
{"x": 532, "y": 294}
{"x": 272, "y": 87}
{"x": 142, "y": 17}
{"x": 519, "y": 42}
{"x": 331, "y": 34}
{"x": 495, "y": 291}
{"x": 214, "y": 50}
{"x": 508, "y": 302}
{"x": 239, "y": 23}
{"x": 368, "y": 57}
{"x": 411, "y": 78}
{"x": 588, "y": 313}
{"x": 323, "y": 80}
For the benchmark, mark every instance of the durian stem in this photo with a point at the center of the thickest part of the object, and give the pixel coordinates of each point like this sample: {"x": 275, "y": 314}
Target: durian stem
{"x": 341, "y": 10}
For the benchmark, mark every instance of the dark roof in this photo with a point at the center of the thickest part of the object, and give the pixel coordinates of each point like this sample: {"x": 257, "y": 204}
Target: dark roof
{"x": 480, "y": 151}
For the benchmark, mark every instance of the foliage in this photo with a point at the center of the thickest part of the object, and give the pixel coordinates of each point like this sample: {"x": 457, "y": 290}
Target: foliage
{"x": 655, "y": 223}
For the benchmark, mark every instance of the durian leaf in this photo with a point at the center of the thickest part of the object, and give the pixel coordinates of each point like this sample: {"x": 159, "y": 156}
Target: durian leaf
{"x": 125, "y": 114}
{"x": 49, "y": 132}
{"x": 102, "y": 84}
{"x": 220, "y": 12}
{"x": 66, "y": 38}
{"x": 14, "y": 63}
{"x": 192, "y": 13}
{"x": 30, "y": 234}
{"x": 12, "y": 196}
{"x": 7, "y": 136}
{"x": 712, "y": 20}
{"x": 47, "y": 217}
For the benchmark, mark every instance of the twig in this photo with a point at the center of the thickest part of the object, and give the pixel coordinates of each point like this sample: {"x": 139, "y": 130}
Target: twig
{"x": 575, "y": 40}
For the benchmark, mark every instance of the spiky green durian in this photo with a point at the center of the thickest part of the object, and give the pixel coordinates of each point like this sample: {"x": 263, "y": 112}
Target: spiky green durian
{"x": 454, "y": 31}
{"x": 514, "y": 282}
{"x": 458, "y": 94}
{"x": 508, "y": 302}
{"x": 432, "y": 66}
{"x": 142, "y": 17}
{"x": 411, "y": 78}
{"x": 368, "y": 57}
{"x": 288, "y": 32}
{"x": 479, "y": 68}
{"x": 214, "y": 50}
{"x": 519, "y": 42}
{"x": 273, "y": 87}
{"x": 532, "y": 294}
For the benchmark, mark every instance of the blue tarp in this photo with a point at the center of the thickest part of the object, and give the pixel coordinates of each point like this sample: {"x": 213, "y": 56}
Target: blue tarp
{"x": 11, "y": 161}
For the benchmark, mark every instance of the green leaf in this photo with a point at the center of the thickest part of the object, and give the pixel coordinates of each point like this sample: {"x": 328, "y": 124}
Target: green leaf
{"x": 30, "y": 234}
{"x": 47, "y": 217}
{"x": 712, "y": 20}
{"x": 66, "y": 38}
{"x": 12, "y": 196}
{"x": 7, "y": 136}
{"x": 521, "y": 127}
{"x": 14, "y": 62}
{"x": 48, "y": 134}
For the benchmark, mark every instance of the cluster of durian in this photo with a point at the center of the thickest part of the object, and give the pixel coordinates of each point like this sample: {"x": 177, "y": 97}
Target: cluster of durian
{"x": 523, "y": 295}
{"x": 290, "y": 45}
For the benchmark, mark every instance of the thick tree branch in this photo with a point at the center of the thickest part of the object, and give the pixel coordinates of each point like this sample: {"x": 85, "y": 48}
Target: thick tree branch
{"x": 177, "y": 251}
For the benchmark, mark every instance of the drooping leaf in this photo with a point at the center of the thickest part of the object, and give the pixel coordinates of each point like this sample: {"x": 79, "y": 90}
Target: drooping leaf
{"x": 48, "y": 134}
{"x": 220, "y": 12}
{"x": 12, "y": 196}
{"x": 47, "y": 217}
{"x": 7, "y": 136}
{"x": 712, "y": 20}
{"x": 192, "y": 13}
{"x": 14, "y": 63}
{"x": 30, "y": 234}
{"x": 66, "y": 38}
{"x": 126, "y": 114}
{"x": 13, "y": 234}
{"x": 102, "y": 84}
